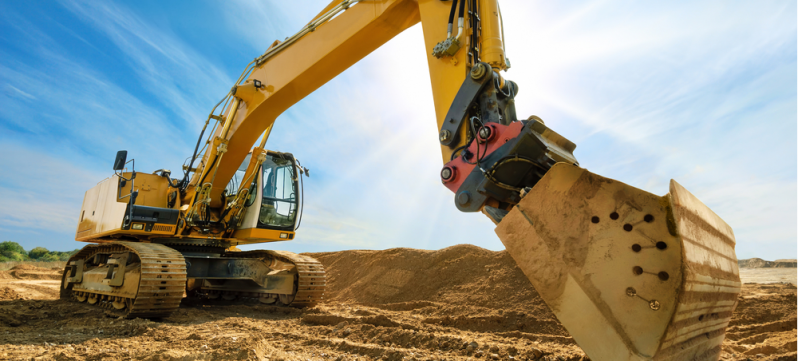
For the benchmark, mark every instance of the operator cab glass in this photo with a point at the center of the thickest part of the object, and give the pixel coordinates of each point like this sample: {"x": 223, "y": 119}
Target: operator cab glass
{"x": 232, "y": 188}
{"x": 278, "y": 191}
{"x": 279, "y": 197}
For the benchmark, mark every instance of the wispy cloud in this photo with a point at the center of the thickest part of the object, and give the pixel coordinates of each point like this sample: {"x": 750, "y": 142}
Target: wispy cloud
{"x": 61, "y": 152}
{"x": 78, "y": 115}
{"x": 622, "y": 69}
{"x": 179, "y": 75}
{"x": 259, "y": 23}
{"x": 42, "y": 192}
{"x": 16, "y": 91}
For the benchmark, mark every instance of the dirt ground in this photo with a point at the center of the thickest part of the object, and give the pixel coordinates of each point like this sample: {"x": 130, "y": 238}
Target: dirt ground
{"x": 458, "y": 303}
{"x": 769, "y": 275}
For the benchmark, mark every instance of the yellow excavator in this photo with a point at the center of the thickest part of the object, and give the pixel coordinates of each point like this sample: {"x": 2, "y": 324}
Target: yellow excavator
{"x": 631, "y": 275}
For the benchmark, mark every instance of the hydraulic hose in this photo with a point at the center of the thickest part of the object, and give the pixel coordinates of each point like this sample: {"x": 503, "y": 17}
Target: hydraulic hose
{"x": 451, "y": 18}
{"x": 460, "y": 18}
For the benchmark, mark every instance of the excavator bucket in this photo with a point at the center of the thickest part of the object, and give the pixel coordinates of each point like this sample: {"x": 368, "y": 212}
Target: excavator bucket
{"x": 631, "y": 275}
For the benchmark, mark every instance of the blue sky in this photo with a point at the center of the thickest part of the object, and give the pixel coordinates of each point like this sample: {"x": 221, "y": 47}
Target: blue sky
{"x": 701, "y": 92}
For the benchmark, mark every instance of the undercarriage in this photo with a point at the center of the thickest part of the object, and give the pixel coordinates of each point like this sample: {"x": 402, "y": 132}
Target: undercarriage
{"x": 135, "y": 279}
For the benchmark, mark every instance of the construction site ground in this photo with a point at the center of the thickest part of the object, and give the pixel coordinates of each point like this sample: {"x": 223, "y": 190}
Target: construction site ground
{"x": 457, "y": 303}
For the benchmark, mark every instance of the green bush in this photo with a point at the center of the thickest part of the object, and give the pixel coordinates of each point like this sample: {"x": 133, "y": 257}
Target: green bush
{"x": 38, "y": 252}
{"x": 50, "y": 258}
{"x": 64, "y": 256}
{"x": 12, "y": 251}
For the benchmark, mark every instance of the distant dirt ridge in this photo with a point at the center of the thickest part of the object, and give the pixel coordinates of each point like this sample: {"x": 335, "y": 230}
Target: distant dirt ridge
{"x": 760, "y": 263}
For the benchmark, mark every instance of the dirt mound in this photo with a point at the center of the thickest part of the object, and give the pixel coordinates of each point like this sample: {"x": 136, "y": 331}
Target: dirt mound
{"x": 463, "y": 286}
{"x": 9, "y": 294}
{"x": 458, "y": 275}
{"x": 28, "y": 267}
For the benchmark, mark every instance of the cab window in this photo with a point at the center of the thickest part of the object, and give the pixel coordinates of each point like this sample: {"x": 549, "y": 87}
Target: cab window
{"x": 238, "y": 177}
{"x": 279, "y": 204}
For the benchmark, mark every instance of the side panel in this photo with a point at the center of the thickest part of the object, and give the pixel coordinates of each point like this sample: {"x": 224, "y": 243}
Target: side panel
{"x": 87, "y": 219}
{"x": 152, "y": 190}
{"x": 113, "y": 208}
{"x": 103, "y": 212}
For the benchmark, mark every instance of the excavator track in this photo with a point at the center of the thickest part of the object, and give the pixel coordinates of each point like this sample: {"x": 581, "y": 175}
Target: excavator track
{"x": 311, "y": 279}
{"x": 160, "y": 288}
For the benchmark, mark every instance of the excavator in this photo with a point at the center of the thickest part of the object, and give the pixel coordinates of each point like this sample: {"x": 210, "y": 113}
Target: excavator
{"x": 631, "y": 275}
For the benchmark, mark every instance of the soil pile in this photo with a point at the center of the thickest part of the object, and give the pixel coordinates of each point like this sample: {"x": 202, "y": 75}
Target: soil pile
{"x": 8, "y": 294}
{"x": 470, "y": 287}
{"x": 460, "y": 275}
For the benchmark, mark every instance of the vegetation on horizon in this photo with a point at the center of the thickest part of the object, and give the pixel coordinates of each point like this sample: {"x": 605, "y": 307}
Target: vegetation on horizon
{"x": 12, "y": 251}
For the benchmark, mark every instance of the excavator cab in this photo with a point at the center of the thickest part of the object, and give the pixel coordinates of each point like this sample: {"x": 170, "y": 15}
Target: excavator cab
{"x": 273, "y": 207}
